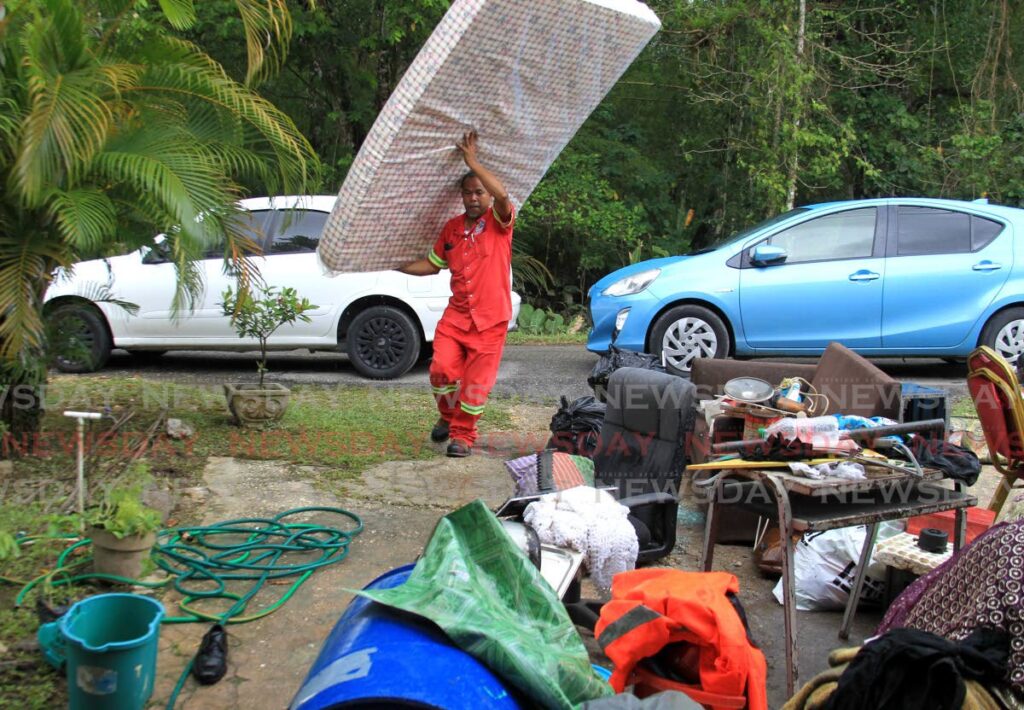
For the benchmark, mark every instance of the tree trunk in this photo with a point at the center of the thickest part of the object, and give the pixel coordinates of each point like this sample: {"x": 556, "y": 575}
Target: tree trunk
{"x": 794, "y": 159}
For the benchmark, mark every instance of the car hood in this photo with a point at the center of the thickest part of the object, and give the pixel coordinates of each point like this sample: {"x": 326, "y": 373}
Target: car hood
{"x": 625, "y": 271}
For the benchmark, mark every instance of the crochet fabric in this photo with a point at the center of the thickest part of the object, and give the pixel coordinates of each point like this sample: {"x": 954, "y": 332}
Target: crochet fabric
{"x": 589, "y": 521}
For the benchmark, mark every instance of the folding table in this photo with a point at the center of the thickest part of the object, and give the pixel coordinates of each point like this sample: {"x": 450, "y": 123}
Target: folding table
{"x": 801, "y": 504}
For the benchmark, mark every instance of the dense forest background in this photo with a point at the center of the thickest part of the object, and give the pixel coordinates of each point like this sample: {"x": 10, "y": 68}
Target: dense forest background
{"x": 738, "y": 109}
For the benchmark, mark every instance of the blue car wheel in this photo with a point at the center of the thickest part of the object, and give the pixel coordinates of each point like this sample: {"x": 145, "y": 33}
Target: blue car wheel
{"x": 685, "y": 333}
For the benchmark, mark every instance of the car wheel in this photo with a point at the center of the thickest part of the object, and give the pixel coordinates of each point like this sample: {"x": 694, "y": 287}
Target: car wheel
{"x": 383, "y": 342}
{"x": 1005, "y": 334}
{"x": 82, "y": 343}
{"x": 688, "y": 332}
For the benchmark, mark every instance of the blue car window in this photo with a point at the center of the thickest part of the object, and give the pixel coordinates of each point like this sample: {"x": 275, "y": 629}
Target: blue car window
{"x": 926, "y": 230}
{"x": 844, "y": 235}
{"x": 983, "y": 232}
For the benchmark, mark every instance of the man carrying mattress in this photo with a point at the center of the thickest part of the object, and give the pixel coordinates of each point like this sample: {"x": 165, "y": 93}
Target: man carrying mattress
{"x": 477, "y": 247}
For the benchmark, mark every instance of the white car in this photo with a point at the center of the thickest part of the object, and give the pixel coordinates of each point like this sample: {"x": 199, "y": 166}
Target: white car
{"x": 383, "y": 320}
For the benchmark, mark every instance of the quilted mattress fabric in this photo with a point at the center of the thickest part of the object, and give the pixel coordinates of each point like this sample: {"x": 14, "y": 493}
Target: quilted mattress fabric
{"x": 524, "y": 74}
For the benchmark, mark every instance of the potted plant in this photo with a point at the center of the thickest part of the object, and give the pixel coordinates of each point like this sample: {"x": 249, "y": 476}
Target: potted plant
{"x": 258, "y": 317}
{"x": 122, "y": 529}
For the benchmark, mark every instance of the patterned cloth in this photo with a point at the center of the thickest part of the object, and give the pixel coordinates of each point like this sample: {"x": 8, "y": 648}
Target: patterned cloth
{"x": 567, "y": 471}
{"x": 981, "y": 586}
{"x": 525, "y": 75}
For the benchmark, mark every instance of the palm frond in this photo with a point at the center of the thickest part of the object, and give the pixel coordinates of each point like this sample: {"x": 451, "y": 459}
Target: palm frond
{"x": 294, "y": 160}
{"x": 26, "y": 263}
{"x": 85, "y": 217}
{"x": 180, "y": 13}
{"x": 10, "y": 125}
{"x": 70, "y": 112}
{"x": 268, "y": 29}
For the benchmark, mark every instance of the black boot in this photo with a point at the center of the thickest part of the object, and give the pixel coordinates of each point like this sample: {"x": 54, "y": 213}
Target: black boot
{"x": 440, "y": 431}
{"x": 459, "y": 449}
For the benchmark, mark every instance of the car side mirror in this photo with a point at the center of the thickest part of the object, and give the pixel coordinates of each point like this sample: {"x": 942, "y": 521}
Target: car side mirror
{"x": 767, "y": 255}
{"x": 154, "y": 255}
{"x": 157, "y": 252}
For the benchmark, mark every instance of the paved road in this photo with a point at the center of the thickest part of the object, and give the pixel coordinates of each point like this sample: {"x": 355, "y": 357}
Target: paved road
{"x": 536, "y": 373}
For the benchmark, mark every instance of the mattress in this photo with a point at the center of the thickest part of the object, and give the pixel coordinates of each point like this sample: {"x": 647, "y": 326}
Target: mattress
{"x": 525, "y": 74}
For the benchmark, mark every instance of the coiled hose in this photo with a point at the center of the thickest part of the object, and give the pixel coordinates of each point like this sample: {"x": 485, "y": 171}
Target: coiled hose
{"x": 202, "y": 561}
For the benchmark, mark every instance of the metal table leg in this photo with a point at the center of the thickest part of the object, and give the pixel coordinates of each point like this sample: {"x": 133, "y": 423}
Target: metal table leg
{"x": 711, "y": 526}
{"x": 960, "y": 521}
{"x": 858, "y": 581}
{"x": 785, "y": 519}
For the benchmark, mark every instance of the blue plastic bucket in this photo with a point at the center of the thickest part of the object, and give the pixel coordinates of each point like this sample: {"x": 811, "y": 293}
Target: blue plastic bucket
{"x": 377, "y": 656}
{"x": 110, "y": 645}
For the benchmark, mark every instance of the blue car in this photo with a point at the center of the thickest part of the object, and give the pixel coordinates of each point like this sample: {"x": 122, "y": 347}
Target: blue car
{"x": 885, "y": 277}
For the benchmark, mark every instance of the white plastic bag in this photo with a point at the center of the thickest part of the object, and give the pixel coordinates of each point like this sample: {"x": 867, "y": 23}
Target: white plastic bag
{"x": 825, "y": 564}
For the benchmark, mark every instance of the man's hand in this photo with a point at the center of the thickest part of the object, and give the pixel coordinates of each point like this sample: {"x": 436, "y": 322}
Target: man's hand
{"x": 468, "y": 146}
{"x": 491, "y": 183}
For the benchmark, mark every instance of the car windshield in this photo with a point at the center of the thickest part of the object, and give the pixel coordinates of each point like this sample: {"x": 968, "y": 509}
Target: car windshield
{"x": 739, "y": 236}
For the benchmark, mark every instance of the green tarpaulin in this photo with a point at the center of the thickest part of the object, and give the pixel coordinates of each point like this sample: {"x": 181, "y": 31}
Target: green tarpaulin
{"x": 474, "y": 583}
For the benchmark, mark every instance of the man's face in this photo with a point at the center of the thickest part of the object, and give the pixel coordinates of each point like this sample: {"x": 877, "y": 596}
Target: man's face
{"x": 475, "y": 198}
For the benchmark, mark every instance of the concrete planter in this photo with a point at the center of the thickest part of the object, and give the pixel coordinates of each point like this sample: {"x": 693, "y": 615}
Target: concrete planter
{"x": 122, "y": 557}
{"x": 252, "y": 404}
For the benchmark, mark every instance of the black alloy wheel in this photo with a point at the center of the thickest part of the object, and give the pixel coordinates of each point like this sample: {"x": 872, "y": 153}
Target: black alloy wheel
{"x": 80, "y": 339}
{"x": 383, "y": 342}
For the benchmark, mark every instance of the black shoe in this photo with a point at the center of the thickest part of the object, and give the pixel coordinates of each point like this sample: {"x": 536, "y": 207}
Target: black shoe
{"x": 211, "y": 661}
{"x": 440, "y": 431}
{"x": 459, "y": 449}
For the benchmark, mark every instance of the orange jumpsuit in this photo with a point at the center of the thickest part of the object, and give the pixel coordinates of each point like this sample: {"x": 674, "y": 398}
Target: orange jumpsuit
{"x": 471, "y": 335}
{"x": 651, "y": 608}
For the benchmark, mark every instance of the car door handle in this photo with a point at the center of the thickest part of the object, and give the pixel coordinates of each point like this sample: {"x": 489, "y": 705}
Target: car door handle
{"x": 987, "y": 265}
{"x": 863, "y": 275}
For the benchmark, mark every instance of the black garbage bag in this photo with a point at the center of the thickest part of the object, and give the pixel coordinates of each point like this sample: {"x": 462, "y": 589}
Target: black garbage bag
{"x": 576, "y": 426}
{"x": 615, "y": 359}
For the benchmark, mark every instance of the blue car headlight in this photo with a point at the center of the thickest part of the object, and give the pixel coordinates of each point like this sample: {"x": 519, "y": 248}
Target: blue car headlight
{"x": 632, "y": 284}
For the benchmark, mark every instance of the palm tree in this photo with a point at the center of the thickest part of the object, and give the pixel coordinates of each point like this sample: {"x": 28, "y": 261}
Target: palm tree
{"x": 112, "y": 129}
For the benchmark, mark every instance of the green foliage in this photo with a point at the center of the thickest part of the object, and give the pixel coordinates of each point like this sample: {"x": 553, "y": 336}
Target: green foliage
{"x": 576, "y": 224}
{"x": 114, "y": 128}
{"x": 345, "y": 59}
{"x": 121, "y": 511}
{"x": 260, "y": 317}
{"x": 538, "y": 321}
{"x": 733, "y": 112}
{"x": 8, "y": 546}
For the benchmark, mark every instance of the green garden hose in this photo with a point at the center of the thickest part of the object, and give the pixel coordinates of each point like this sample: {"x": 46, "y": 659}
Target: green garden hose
{"x": 203, "y": 560}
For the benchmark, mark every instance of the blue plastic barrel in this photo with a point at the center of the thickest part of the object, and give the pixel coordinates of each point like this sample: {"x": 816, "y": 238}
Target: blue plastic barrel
{"x": 110, "y": 643}
{"x": 377, "y": 656}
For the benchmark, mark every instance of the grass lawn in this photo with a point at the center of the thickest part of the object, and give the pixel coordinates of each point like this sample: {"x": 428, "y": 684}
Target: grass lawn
{"x": 341, "y": 430}
{"x": 517, "y": 337}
